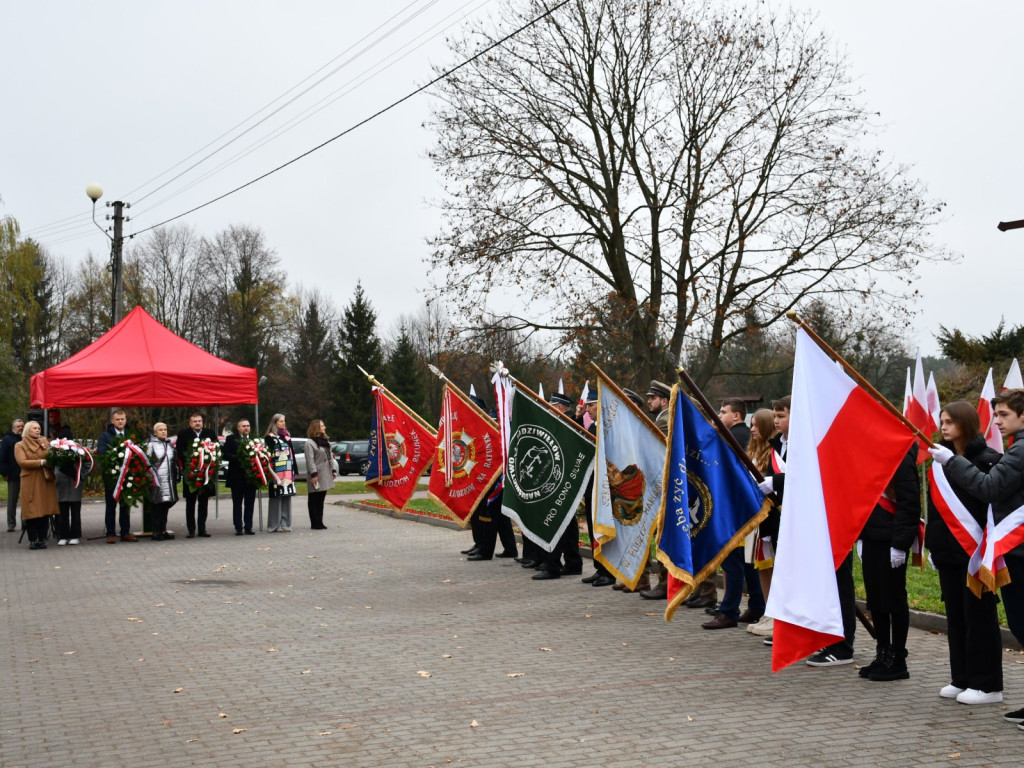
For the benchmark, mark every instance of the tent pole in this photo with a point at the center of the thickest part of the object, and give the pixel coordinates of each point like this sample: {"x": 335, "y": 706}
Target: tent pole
{"x": 259, "y": 493}
{"x": 216, "y": 471}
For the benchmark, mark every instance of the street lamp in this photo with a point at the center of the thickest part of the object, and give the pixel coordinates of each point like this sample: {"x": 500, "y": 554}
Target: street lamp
{"x": 95, "y": 192}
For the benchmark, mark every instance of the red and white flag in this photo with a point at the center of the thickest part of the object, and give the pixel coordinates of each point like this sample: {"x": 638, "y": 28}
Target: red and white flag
{"x": 993, "y": 437}
{"x": 916, "y": 410}
{"x": 1013, "y": 377}
{"x": 934, "y": 406}
{"x": 908, "y": 394}
{"x": 587, "y": 421}
{"x": 843, "y": 450}
{"x": 988, "y": 562}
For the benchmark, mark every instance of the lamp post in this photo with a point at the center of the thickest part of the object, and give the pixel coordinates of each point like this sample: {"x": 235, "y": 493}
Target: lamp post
{"x": 95, "y": 192}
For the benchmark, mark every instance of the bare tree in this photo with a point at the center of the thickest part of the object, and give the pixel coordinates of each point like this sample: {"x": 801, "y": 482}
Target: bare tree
{"x": 692, "y": 162}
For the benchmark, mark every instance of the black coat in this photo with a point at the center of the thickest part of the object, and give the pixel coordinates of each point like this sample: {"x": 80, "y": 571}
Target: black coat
{"x": 8, "y": 466}
{"x": 235, "y": 475}
{"x": 1002, "y": 487}
{"x": 898, "y": 529}
{"x": 742, "y": 434}
{"x": 944, "y": 547}
{"x": 181, "y": 450}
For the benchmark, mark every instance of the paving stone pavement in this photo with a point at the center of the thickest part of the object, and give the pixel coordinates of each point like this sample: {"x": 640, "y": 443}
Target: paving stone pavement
{"x": 374, "y": 643}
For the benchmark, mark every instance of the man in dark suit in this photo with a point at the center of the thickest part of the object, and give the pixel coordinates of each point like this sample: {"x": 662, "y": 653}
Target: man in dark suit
{"x": 11, "y": 471}
{"x": 188, "y": 438}
{"x": 243, "y": 493}
{"x": 118, "y": 420}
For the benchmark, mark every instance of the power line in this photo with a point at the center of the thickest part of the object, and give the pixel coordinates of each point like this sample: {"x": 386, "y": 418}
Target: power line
{"x": 363, "y": 122}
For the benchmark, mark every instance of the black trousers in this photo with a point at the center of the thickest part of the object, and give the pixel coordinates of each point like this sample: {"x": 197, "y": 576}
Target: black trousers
{"x": 590, "y": 532}
{"x": 568, "y": 547}
{"x": 37, "y": 528}
{"x": 192, "y": 500}
{"x": 972, "y": 631}
{"x": 243, "y": 500}
{"x": 70, "y": 526}
{"x": 506, "y": 534}
{"x": 886, "y": 589}
{"x": 315, "y": 504}
{"x": 847, "y": 600}
{"x": 158, "y": 519}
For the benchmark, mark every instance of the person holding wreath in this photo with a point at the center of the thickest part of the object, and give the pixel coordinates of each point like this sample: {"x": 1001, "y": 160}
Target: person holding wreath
{"x": 72, "y": 465}
{"x": 189, "y": 443}
{"x": 38, "y": 485}
{"x": 282, "y": 487}
{"x": 243, "y": 492}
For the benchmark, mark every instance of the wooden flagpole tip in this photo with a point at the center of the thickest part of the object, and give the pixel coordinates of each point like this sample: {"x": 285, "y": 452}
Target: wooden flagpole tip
{"x": 792, "y": 315}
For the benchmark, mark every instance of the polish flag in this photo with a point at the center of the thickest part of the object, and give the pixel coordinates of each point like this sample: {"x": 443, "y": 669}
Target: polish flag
{"x": 988, "y": 561}
{"x": 916, "y": 409}
{"x": 934, "y": 406}
{"x": 587, "y": 421}
{"x": 993, "y": 437}
{"x": 843, "y": 450}
{"x": 540, "y": 391}
{"x": 1013, "y": 378}
{"x": 908, "y": 394}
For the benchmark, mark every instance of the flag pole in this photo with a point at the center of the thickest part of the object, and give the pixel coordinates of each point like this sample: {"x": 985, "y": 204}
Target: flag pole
{"x": 461, "y": 395}
{"x": 409, "y": 411}
{"x": 644, "y": 418}
{"x": 530, "y": 393}
{"x": 855, "y": 374}
{"x": 712, "y": 415}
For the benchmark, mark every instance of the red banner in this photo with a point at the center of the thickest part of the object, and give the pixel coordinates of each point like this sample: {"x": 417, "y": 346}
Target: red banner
{"x": 405, "y": 446}
{"x": 468, "y": 456}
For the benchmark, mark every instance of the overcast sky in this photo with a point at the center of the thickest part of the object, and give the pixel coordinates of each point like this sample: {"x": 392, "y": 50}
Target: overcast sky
{"x": 120, "y": 93}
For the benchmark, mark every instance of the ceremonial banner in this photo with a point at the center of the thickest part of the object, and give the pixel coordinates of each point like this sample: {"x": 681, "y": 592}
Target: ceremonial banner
{"x": 989, "y": 430}
{"x": 401, "y": 449}
{"x": 823, "y": 512}
{"x": 627, "y": 485}
{"x": 547, "y": 466}
{"x": 711, "y": 501}
{"x": 468, "y": 459}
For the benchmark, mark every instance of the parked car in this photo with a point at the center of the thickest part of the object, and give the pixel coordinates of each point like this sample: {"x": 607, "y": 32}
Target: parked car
{"x": 351, "y": 456}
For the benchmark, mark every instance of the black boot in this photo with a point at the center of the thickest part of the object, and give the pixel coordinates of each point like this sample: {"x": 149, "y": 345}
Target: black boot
{"x": 876, "y": 663}
{"x": 895, "y": 667}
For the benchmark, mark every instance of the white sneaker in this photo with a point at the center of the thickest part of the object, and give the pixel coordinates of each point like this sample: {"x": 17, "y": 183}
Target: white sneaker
{"x": 950, "y": 691}
{"x": 74, "y": 541}
{"x": 763, "y": 628}
{"x": 974, "y": 696}
{"x": 62, "y": 543}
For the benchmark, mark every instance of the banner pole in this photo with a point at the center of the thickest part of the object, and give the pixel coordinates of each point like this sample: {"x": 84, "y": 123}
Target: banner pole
{"x": 530, "y": 393}
{"x": 855, "y": 374}
{"x": 409, "y": 411}
{"x": 712, "y": 415}
{"x": 644, "y": 418}
{"x": 461, "y": 395}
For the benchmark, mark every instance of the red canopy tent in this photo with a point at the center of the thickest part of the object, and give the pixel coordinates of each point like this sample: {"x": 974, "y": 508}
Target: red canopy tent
{"x": 139, "y": 362}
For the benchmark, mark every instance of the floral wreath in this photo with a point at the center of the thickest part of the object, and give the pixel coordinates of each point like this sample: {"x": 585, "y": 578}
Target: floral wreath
{"x": 256, "y": 461}
{"x": 127, "y": 467}
{"x": 68, "y": 456}
{"x": 203, "y": 460}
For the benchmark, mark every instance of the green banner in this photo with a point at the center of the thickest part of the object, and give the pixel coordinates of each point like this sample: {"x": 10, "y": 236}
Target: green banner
{"x": 547, "y": 466}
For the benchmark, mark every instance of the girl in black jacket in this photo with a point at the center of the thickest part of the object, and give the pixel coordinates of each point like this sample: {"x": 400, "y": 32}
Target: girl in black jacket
{"x": 972, "y": 623}
{"x": 886, "y": 540}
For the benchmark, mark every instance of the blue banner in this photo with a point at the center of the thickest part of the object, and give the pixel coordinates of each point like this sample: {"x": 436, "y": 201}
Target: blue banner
{"x": 710, "y": 501}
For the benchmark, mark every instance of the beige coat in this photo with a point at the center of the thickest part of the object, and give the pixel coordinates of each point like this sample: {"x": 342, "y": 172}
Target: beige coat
{"x": 38, "y": 484}
{"x": 320, "y": 462}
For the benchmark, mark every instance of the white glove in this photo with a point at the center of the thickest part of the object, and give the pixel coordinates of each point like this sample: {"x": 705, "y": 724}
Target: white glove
{"x": 931, "y": 562}
{"x": 767, "y": 486}
{"x": 897, "y": 557}
{"x": 941, "y": 454}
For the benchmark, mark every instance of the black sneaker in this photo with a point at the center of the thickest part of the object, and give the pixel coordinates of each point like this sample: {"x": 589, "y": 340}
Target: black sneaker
{"x": 833, "y": 656}
{"x": 1017, "y": 716}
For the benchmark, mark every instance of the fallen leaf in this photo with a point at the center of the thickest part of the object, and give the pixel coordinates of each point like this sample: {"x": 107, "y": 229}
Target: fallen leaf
{"x": 312, "y": 557}
{"x": 239, "y": 730}
{"x": 515, "y": 674}
{"x": 158, "y": 605}
{"x": 165, "y": 722}
{"x": 625, "y": 644}
{"x": 191, "y": 741}
{"x": 954, "y": 756}
{"x": 222, "y": 714}
{"x": 652, "y": 613}
{"x": 689, "y": 719}
{"x": 545, "y": 649}
{"x": 317, "y": 607}
{"x": 68, "y": 653}
{"x": 368, "y": 607}
{"x": 446, "y": 656}
{"x": 447, "y": 581}
{"x": 304, "y": 672}
{"x": 32, "y": 661}
{"x": 132, "y": 618}
{"x": 325, "y": 733}
{"x": 474, "y": 724}
{"x": 178, "y": 690}
{"x": 587, "y": 615}
{"x": 671, "y": 658}
{"x": 423, "y": 673}
{"x": 271, "y": 650}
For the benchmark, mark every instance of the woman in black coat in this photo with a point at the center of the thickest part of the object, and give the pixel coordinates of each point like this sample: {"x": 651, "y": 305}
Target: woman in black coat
{"x": 972, "y": 623}
{"x": 886, "y": 541}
